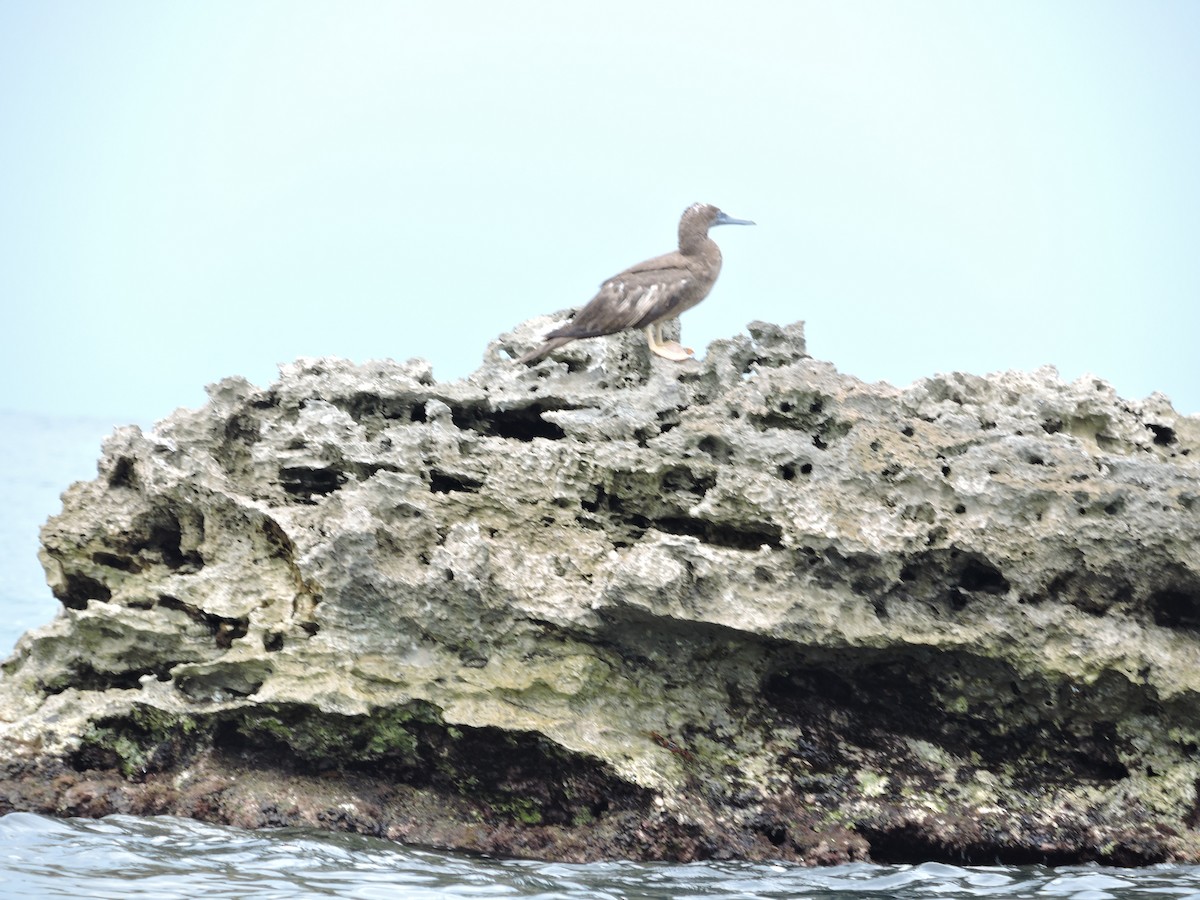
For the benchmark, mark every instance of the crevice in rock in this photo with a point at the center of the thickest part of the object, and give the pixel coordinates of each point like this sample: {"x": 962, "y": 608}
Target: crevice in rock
{"x": 906, "y": 842}
{"x": 242, "y": 431}
{"x": 124, "y": 474}
{"x": 82, "y": 676}
{"x": 519, "y": 778}
{"x": 721, "y": 534}
{"x": 668, "y": 419}
{"x": 1094, "y": 593}
{"x": 1176, "y": 607}
{"x": 116, "y": 561}
{"x": 829, "y": 567}
{"x": 663, "y": 508}
{"x": 79, "y": 589}
{"x": 1172, "y": 600}
{"x": 367, "y": 407}
{"x": 306, "y": 482}
{"x": 1164, "y": 435}
{"x": 158, "y": 535}
{"x": 442, "y": 482}
{"x": 215, "y": 681}
{"x": 522, "y": 423}
{"x": 224, "y": 629}
{"x": 946, "y": 579}
{"x": 824, "y": 430}
{"x": 977, "y": 574}
{"x": 972, "y": 707}
{"x": 682, "y": 479}
{"x": 716, "y": 448}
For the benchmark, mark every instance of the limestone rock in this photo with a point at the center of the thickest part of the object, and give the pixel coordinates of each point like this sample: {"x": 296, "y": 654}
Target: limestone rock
{"x": 611, "y": 606}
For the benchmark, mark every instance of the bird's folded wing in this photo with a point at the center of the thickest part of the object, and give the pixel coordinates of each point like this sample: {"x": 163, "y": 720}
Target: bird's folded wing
{"x": 661, "y": 265}
{"x": 639, "y": 296}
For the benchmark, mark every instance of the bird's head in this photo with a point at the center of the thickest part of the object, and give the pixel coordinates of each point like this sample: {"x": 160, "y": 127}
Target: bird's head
{"x": 698, "y": 218}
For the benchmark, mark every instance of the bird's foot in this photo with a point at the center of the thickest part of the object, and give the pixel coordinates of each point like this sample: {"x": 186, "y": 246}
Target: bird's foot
{"x": 673, "y": 350}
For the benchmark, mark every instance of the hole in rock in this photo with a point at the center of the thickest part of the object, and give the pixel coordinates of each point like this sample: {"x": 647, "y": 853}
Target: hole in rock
{"x": 82, "y": 676}
{"x": 979, "y": 575}
{"x": 158, "y": 533}
{"x": 241, "y": 429}
{"x": 445, "y": 483}
{"x": 365, "y": 405}
{"x": 305, "y": 482}
{"x": 523, "y": 423}
{"x": 1174, "y": 608}
{"x": 681, "y": 478}
{"x": 945, "y": 579}
{"x": 848, "y": 705}
{"x": 113, "y": 561}
{"x": 722, "y": 535}
{"x": 79, "y": 589}
{"x": 124, "y": 475}
{"x": 224, "y": 629}
{"x": 715, "y": 447}
{"x": 1164, "y": 435}
{"x": 908, "y": 844}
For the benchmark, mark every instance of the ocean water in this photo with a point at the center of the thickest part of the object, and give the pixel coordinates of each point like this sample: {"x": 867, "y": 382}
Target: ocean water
{"x": 163, "y": 858}
{"x": 39, "y": 458}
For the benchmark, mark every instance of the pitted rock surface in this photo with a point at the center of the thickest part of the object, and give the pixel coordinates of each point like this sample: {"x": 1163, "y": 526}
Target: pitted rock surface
{"x": 612, "y": 606}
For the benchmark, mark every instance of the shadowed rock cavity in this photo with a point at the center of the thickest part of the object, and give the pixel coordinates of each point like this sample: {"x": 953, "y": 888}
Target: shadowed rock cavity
{"x": 616, "y": 607}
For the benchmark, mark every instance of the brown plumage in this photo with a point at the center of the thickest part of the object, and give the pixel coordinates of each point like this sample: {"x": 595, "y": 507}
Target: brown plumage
{"x": 650, "y": 293}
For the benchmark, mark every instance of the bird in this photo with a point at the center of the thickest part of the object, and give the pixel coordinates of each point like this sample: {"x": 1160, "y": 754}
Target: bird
{"x": 652, "y": 292}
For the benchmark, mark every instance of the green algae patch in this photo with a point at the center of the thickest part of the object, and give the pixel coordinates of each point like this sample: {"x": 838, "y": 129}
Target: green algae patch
{"x": 144, "y": 741}
{"x": 521, "y": 778}
{"x": 334, "y": 741}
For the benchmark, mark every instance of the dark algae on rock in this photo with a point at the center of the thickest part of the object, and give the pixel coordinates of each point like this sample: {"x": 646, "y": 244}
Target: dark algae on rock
{"x": 611, "y": 606}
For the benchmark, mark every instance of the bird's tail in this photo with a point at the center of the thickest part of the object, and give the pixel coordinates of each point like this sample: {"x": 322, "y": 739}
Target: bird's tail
{"x": 541, "y": 352}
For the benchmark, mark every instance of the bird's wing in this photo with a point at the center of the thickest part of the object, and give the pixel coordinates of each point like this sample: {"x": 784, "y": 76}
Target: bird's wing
{"x": 663, "y": 265}
{"x": 640, "y": 295}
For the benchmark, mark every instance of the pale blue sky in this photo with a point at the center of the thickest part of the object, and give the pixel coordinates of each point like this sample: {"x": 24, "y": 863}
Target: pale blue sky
{"x": 194, "y": 190}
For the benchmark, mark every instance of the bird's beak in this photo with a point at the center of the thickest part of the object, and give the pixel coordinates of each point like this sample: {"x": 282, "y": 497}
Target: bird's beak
{"x": 723, "y": 219}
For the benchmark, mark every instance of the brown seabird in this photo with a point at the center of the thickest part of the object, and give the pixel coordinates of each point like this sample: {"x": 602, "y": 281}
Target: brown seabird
{"x": 648, "y": 294}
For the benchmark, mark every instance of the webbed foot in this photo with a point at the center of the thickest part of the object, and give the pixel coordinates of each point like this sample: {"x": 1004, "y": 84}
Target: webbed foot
{"x": 673, "y": 350}
{"x": 666, "y": 349}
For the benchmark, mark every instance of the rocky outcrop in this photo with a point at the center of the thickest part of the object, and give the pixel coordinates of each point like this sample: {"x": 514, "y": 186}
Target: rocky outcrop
{"x": 612, "y": 606}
